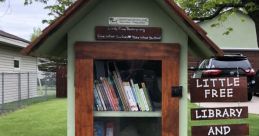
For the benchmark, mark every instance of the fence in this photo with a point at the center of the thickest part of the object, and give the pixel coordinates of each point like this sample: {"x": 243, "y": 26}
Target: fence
{"x": 20, "y": 89}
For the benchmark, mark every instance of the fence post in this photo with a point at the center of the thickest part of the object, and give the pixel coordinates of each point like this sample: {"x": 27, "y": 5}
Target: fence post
{"x": 19, "y": 89}
{"x": 28, "y": 80}
{"x": 2, "y": 107}
{"x": 46, "y": 89}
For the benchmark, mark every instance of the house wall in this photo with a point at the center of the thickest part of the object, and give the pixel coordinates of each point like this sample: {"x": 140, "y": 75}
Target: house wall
{"x": 10, "y": 78}
{"x": 242, "y": 36}
{"x": 84, "y": 31}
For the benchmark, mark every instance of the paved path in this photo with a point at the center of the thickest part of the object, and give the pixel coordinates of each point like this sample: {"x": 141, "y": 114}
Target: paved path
{"x": 253, "y": 106}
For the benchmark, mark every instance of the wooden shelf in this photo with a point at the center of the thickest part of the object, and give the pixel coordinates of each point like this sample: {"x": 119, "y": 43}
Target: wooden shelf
{"x": 126, "y": 114}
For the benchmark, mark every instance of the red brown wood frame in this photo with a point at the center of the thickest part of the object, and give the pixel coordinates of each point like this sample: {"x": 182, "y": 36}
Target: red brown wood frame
{"x": 86, "y": 52}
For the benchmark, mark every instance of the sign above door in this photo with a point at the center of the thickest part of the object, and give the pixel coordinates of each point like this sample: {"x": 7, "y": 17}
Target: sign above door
{"x": 136, "y": 21}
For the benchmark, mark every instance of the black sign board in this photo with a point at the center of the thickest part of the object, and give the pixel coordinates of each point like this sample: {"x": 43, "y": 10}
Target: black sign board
{"x": 118, "y": 33}
{"x": 219, "y": 113}
{"x": 221, "y": 89}
{"x": 221, "y": 130}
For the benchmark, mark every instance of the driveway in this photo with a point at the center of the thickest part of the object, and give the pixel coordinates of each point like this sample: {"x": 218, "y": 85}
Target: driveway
{"x": 253, "y": 106}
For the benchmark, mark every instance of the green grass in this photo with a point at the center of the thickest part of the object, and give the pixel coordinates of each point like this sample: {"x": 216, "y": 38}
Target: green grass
{"x": 49, "y": 119}
{"x": 252, "y": 121}
{"x": 41, "y": 119}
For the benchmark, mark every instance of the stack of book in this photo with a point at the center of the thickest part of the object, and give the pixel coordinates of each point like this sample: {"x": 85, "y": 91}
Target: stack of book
{"x": 113, "y": 94}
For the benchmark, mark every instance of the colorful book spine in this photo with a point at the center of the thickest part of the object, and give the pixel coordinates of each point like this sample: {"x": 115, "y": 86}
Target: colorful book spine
{"x": 108, "y": 94}
{"x": 130, "y": 97}
{"x": 116, "y": 91}
{"x": 147, "y": 96}
{"x": 109, "y": 129}
{"x": 144, "y": 99}
{"x": 100, "y": 96}
{"x": 104, "y": 95}
{"x": 141, "y": 103}
{"x": 97, "y": 100}
{"x": 134, "y": 93}
{"x": 99, "y": 129}
{"x": 122, "y": 90}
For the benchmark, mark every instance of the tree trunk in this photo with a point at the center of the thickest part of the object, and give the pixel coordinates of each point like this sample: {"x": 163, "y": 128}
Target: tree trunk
{"x": 255, "y": 16}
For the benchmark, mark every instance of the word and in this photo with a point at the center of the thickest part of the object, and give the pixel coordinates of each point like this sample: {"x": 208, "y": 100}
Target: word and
{"x": 219, "y": 130}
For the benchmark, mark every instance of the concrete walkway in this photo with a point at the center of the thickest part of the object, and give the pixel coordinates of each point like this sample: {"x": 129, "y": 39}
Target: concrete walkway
{"x": 253, "y": 106}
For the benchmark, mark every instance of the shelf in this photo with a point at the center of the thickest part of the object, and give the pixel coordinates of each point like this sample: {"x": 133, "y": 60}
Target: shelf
{"x": 126, "y": 114}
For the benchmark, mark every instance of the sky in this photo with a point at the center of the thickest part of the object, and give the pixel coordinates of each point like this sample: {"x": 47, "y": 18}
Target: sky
{"x": 19, "y": 20}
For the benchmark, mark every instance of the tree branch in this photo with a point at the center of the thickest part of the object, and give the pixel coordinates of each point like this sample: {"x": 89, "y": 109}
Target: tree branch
{"x": 219, "y": 9}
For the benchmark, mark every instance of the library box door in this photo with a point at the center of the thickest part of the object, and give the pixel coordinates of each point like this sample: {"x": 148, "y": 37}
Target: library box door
{"x": 117, "y": 105}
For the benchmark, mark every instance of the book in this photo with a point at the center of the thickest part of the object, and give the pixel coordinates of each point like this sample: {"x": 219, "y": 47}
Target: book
{"x": 105, "y": 97}
{"x": 122, "y": 97}
{"x": 108, "y": 93}
{"x": 100, "y": 95}
{"x": 116, "y": 93}
{"x": 130, "y": 97}
{"x": 144, "y": 99}
{"x": 109, "y": 129}
{"x": 98, "y": 102}
{"x": 147, "y": 96}
{"x": 99, "y": 128}
{"x": 141, "y": 103}
{"x": 122, "y": 90}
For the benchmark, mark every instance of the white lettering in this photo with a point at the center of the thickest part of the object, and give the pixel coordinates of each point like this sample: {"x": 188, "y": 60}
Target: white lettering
{"x": 205, "y": 82}
{"x": 228, "y": 83}
{"x": 236, "y": 82}
{"x": 239, "y": 112}
{"x": 232, "y": 112}
{"x": 214, "y": 93}
{"x": 197, "y": 83}
{"x": 213, "y": 81}
{"x": 211, "y": 113}
{"x": 230, "y": 92}
{"x": 226, "y": 130}
{"x": 207, "y": 92}
{"x": 222, "y": 92}
{"x": 222, "y": 81}
{"x": 211, "y": 131}
{"x": 196, "y": 114}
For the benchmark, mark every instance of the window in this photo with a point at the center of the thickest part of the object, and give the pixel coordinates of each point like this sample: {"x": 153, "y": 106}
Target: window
{"x": 16, "y": 63}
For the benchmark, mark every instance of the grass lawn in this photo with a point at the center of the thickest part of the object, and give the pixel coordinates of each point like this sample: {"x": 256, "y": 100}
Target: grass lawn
{"x": 252, "y": 121}
{"x": 49, "y": 119}
{"x": 41, "y": 119}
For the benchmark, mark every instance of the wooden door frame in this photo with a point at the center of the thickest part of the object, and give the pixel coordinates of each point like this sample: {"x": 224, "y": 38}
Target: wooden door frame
{"x": 86, "y": 52}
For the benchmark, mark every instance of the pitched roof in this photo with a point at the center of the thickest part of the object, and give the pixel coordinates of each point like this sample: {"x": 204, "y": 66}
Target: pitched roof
{"x": 7, "y": 35}
{"x": 201, "y": 34}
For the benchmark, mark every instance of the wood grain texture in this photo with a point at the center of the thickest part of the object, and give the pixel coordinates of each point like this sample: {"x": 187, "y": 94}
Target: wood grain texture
{"x": 84, "y": 97}
{"x": 170, "y": 105}
{"x": 126, "y": 51}
{"x": 235, "y": 130}
{"x": 87, "y": 51}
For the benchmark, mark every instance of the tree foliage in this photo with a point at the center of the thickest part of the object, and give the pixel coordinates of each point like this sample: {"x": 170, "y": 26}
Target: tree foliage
{"x": 55, "y": 10}
{"x": 208, "y": 9}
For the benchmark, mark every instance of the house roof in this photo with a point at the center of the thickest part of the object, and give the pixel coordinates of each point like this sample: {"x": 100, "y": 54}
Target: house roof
{"x": 12, "y": 40}
{"x": 199, "y": 32}
{"x": 11, "y": 36}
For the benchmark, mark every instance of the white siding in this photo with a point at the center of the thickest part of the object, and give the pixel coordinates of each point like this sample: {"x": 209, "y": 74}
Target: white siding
{"x": 28, "y": 69}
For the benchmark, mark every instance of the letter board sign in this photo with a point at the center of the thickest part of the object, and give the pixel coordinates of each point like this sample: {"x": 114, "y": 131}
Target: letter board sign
{"x": 221, "y": 130}
{"x": 121, "y": 33}
{"x": 219, "y": 113}
{"x": 221, "y": 89}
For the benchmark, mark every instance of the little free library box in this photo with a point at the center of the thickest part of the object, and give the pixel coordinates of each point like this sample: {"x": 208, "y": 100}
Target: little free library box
{"x": 127, "y": 65}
